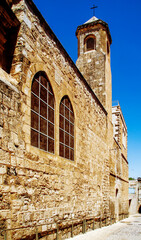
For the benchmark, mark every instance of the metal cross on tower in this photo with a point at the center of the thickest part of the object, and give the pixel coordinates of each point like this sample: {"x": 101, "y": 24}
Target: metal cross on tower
{"x": 94, "y": 7}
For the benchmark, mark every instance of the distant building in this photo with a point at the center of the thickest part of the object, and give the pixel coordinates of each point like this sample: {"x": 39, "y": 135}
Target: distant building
{"x": 135, "y": 196}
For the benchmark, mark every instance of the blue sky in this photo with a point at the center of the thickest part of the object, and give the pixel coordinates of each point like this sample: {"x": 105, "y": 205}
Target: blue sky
{"x": 124, "y": 20}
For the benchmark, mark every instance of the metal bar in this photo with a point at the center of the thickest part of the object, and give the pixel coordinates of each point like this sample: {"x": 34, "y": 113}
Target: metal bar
{"x": 93, "y": 224}
{"x": 42, "y": 117}
{"x": 38, "y": 225}
{"x": 5, "y": 235}
{"x": 83, "y": 228}
{"x": 100, "y": 222}
{"x": 37, "y": 234}
{"x": 43, "y": 133}
{"x": 66, "y": 107}
{"x": 39, "y": 114}
{"x": 65, "y": 145}
{"x": 43, "y": 101}
{"x": 72, "y": 230}
{"x": 57, "y": 232}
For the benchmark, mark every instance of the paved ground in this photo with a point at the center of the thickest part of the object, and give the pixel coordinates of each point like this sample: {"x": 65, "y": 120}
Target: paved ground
{"x": 127, "y": 229}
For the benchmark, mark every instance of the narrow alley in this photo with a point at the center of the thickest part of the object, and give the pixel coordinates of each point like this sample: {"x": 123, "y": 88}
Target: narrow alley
{"x": 127, "y": 229}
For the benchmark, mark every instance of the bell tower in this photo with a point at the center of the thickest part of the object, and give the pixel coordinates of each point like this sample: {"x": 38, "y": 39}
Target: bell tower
{"x": 93, "y": 61}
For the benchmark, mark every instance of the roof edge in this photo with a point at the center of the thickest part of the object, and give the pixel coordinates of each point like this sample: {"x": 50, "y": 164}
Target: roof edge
{"x": 46, "y": 27}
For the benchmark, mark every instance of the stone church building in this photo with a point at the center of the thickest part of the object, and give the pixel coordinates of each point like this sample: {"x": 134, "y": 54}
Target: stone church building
{"x": 63, "y": 147}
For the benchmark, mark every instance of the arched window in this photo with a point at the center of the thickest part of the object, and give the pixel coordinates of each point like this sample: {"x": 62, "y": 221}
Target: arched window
{"x": 90, "y": 43}
{"x": 42, "y": 113}
{"x": 66, "y": 129}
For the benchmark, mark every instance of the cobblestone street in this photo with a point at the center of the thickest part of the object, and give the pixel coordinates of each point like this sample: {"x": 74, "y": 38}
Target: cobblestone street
{"x": 127, "y": 229}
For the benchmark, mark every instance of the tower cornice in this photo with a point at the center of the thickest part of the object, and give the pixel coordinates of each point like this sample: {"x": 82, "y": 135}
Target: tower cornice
{"x": 90, "y": 24}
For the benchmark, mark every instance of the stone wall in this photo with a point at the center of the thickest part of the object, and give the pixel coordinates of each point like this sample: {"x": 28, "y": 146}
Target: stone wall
{"x": 120, "y": 129}
{"x": 38, "y": 187}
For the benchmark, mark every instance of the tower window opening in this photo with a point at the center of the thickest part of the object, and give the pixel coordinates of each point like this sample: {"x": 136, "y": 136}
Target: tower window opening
{"x": 90, "y": 43}
{"x": 108, "y": 49}
{"x": 116, "y": 192}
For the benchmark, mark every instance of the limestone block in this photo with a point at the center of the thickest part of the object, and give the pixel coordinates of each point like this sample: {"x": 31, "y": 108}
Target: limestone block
{"x": 5, "y": 189}
{"x": 6, "y": 101}
{"x": 1, "y": 132}
{"x": 15, "y": 139}
{"x": 11, "y": 146}
{"x": 3, "y": 169}
{"x": 13, "y": 160}
{"x": 4, "y": 157}
{"x": 13, "y": 189}
{"x": 44, "y": 228}
{"x": 20, "y": 162}
{"x": 30, "y": 191}
{"x": 1, "y": 179}
{"x": 1, "y": 96}
{"x": 21, "y": 172}
{"x": 5, "y": 214}
{"x": 25, "y": 90}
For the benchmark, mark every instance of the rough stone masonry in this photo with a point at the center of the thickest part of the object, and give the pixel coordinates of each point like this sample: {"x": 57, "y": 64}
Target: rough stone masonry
{"x": 42, "y": 191}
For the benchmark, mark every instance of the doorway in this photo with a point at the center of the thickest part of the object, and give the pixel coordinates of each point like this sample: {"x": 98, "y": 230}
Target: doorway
{"x": 117, "y": 205}
{"x": 139, "y": 211}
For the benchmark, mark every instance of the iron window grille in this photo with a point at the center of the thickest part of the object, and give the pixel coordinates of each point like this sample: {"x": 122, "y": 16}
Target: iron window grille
{"x": 66, "y": 129}
{"x": 42, "y": 113}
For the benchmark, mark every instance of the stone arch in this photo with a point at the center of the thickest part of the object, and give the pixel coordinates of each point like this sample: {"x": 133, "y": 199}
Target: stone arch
{"x": 71, "y": 102}
{"x": 39, "y": 67}
{"x": 33, "y": 70}
{"x": 66, "y": 92}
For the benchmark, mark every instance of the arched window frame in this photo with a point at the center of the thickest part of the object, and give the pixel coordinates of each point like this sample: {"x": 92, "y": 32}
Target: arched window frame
{"x": 91, "y": 36}
{"x": 42, "y": 113}
{"x": 66, "y": 129}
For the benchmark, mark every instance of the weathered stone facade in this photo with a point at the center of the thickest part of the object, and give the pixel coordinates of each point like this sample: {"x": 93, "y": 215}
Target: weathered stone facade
{"x": 40, "y": 188}
{"x": 135, "y": 196}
